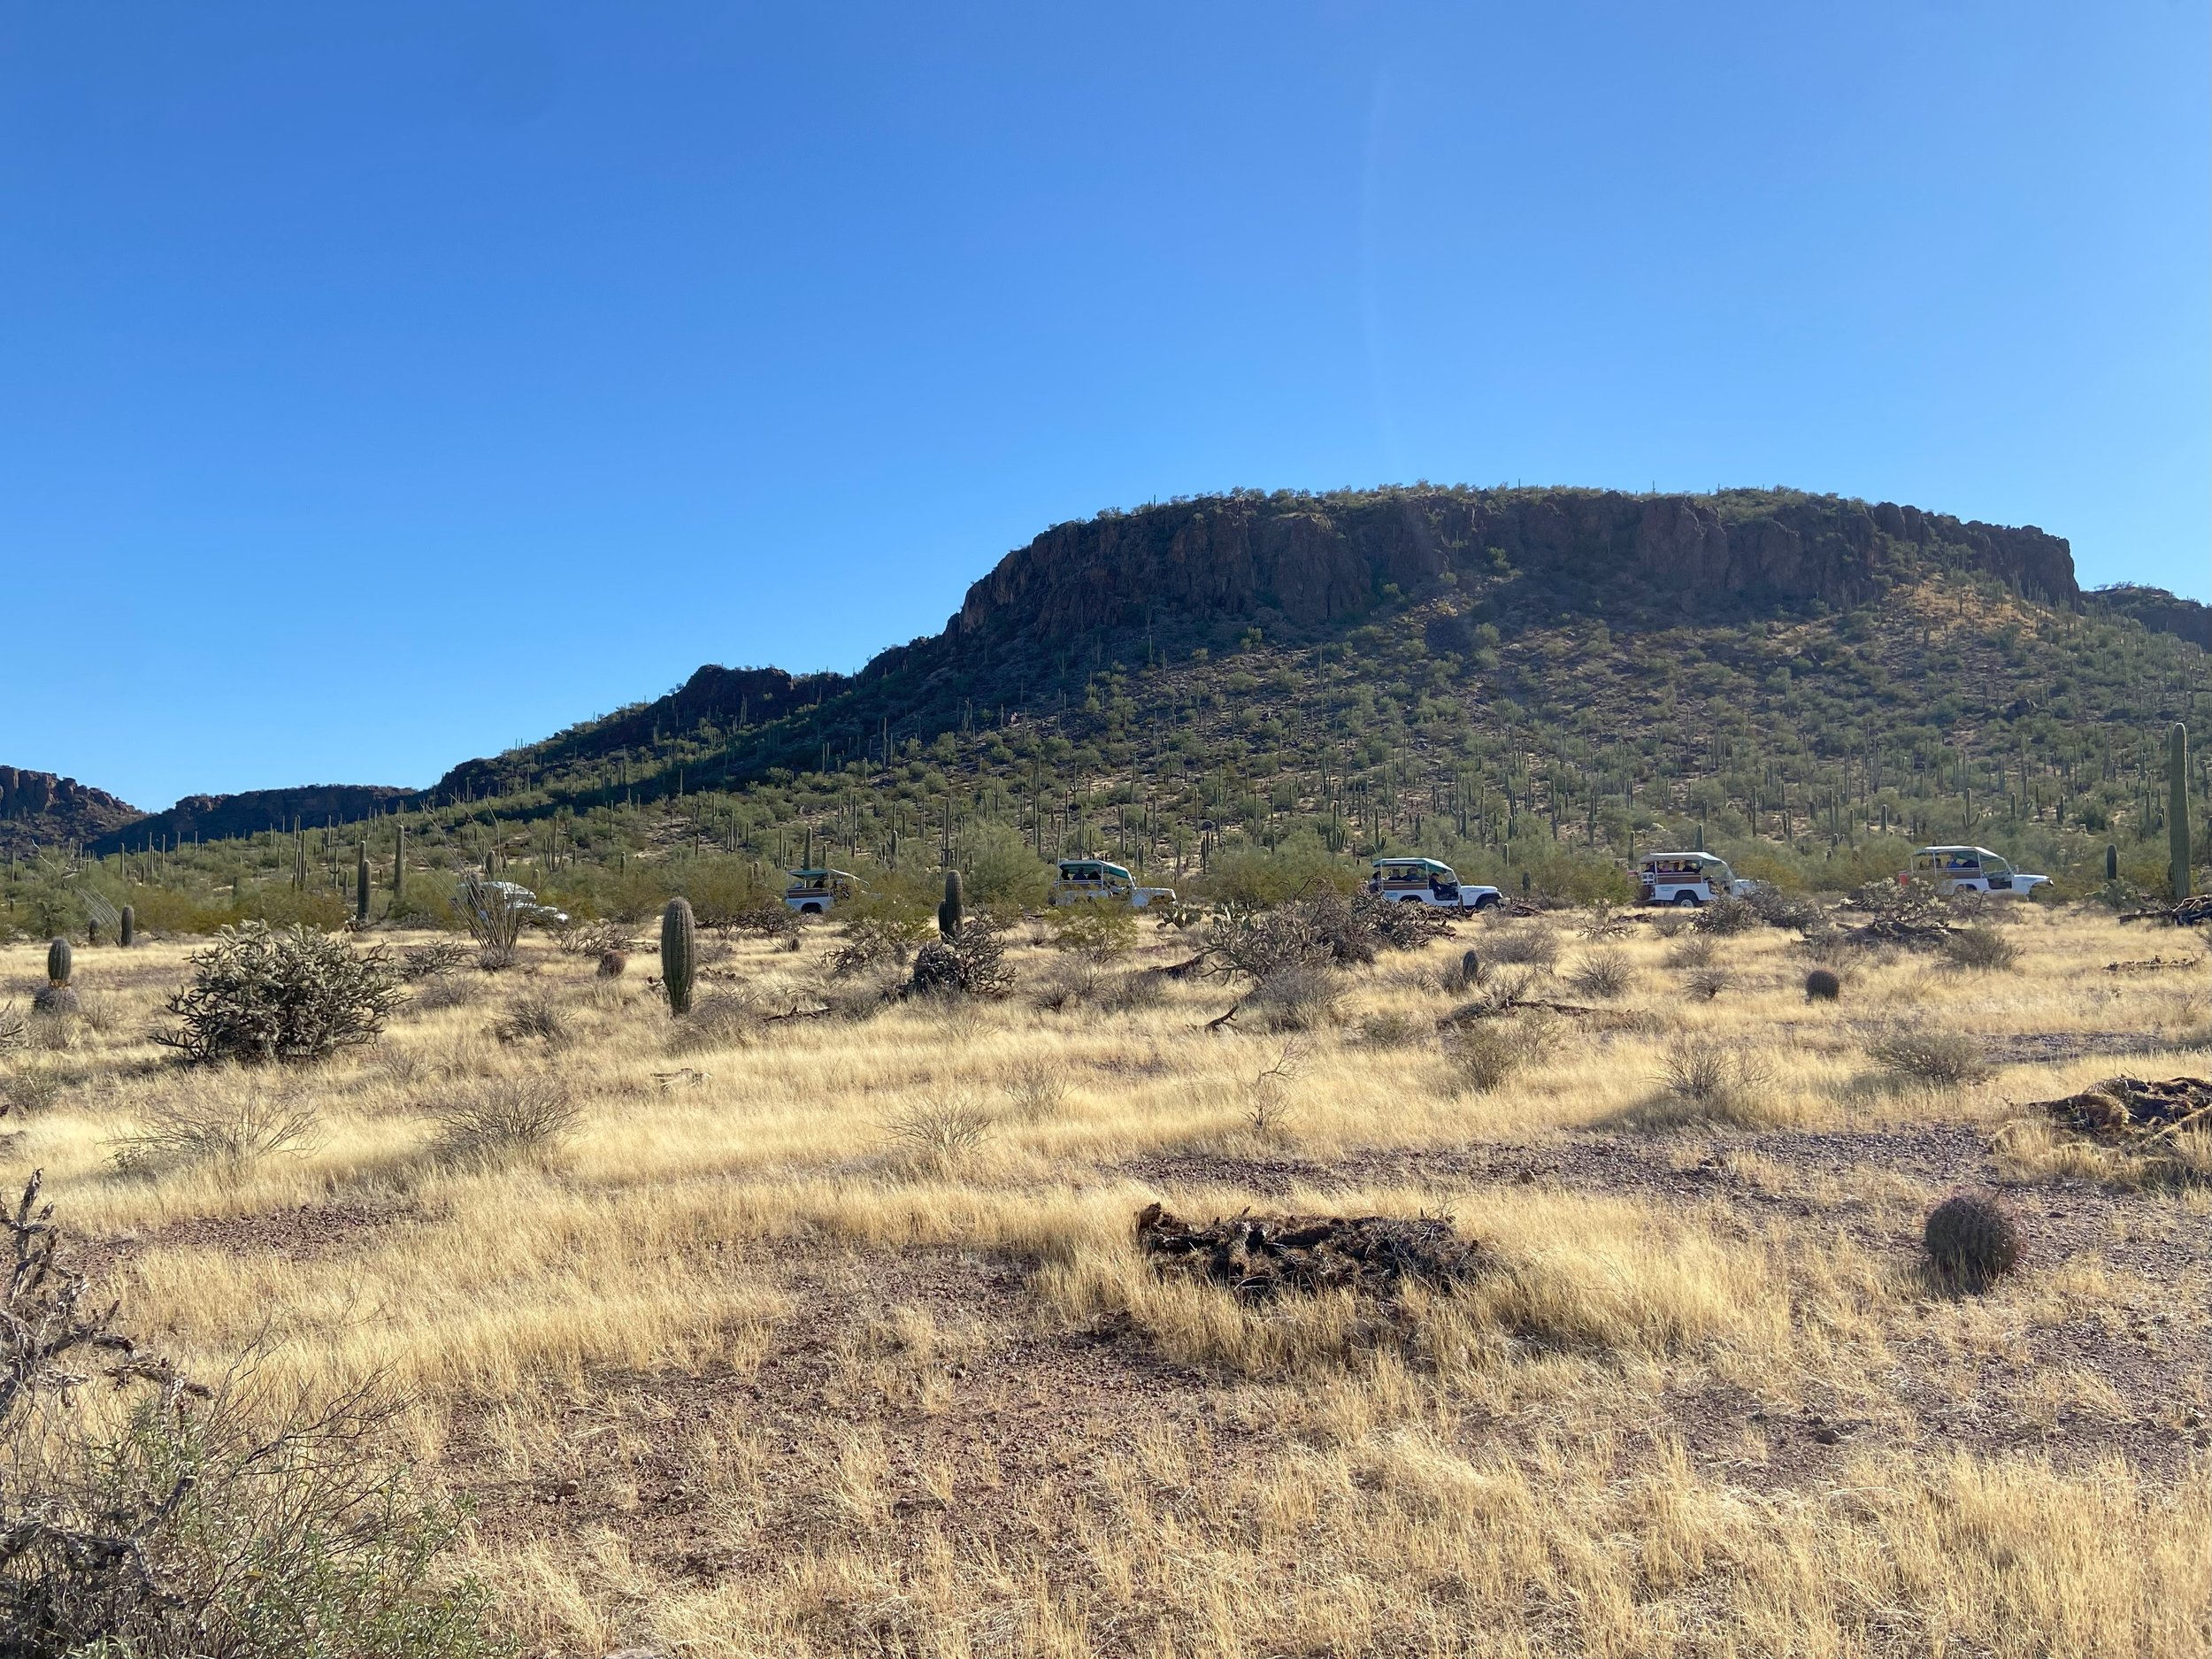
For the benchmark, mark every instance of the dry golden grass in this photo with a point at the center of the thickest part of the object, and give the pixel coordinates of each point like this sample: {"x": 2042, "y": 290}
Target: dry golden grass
{"x": 830, "y": 1335}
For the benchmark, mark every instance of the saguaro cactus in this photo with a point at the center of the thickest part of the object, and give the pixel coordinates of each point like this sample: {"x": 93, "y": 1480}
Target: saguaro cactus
{"x": 2111, "y": 860}
{"x": 399, "y": 867}
{"x": 680, "y": 953}
{"x": 126, "y": 927}
{"x": 361, "y": 884}
{"x": 949, "y": 912}
{"x": 2177, "y": 808}
{"x": 58, "y": 960}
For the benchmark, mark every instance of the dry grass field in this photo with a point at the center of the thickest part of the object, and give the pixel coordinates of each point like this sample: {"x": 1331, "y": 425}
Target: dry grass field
{"x": 828, "y": 1334}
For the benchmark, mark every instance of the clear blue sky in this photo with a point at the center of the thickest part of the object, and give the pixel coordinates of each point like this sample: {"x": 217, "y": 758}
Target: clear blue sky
{"x": 381, "y": 385}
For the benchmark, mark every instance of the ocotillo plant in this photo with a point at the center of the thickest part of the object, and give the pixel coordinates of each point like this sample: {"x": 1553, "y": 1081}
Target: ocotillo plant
{"x": 680, "y": 953}
{"x": 2177, "y": 808}
{"x": 126, "y": 927}
{"x": 949, "y": 912}
{"x": 361, "y": 884}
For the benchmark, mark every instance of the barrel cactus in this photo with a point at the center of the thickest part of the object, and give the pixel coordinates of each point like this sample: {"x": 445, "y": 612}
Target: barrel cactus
{"x": 58, "y": 995}
{"x": 680, "y": 953}
{"x": 1973, "y": 1240}
{"x": 949, "y": 912}
{"x": 1823, "y": 986}
{"x": 126, "y": 927}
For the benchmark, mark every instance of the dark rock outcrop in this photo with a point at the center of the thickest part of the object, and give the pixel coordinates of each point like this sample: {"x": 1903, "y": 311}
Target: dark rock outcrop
{"x": 1315, "y": 560}
{"x": 2156, "y": 609}
{"x": 218, "y": 816}
{"x": 38, "y": 808}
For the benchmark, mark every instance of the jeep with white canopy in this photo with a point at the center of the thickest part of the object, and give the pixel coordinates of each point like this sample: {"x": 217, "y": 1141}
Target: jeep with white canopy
{"x": 1094, "y": 881}
{"x": 1430, "y": 882}
{"x": 1686, "y": 879}
{"x": 815, "y": 892}
{"x": 1968, "y": 869}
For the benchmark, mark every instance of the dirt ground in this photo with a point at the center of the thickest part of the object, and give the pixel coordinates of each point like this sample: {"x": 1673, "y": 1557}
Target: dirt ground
{"x": 829, "y": 1334}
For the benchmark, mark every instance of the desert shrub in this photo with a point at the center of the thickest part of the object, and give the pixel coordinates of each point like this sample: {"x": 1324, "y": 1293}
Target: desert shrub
{"x": 15, "y": 1029}
{"x": 1535, "y": 946}
{"x": 595, "y": 939}
{"x": 1130, "y": 993}
{"x": 1922, "y": 1054}
{"x": 447, "y": 990}
{"x": 505, "y": 1118}
{"x": 1727, "y": 916}
{"x": 1779, "y": 908}
{"x": 770, "y": 919}
{"x": 29, "y": 1090}
{"x": 223, "y": 1522}
{"x": 1065, "y": 984}
{"x": 1369, "y": 924}
{"x": 1980, "y": 950}
{"x": 1604, "y": 974}
{"x": 426, "y": 962}
{"x": 533, "y": 1017}
{"x": 973, "y": 964}
{"x": 1692, "y": 951}
{"x": 1705, "y": 984}
{"x": 1823, "y": 986}
{"x": 222, "y": 1127}
{"x": 1268, "y": 1106}
{"x": 1670, "y": 924}
{"x": 1704, "y": 1081}
{"x": 1298, "y": 996}
{"x": 714, "y": 1022}
{"x": 53, "y": 1032}
{"x": 57, "y": 1002}
{"x": 1095, "y": 929}
{"x": 870, "y": 940}
{"x": 1484, "y": 1054}
{"x": 1037, "y": 1086}
{"x": 1972, "y": 1240}
{"x": 934, "y": 1136}
{"x": 257, "y": 996}
{"x": 1392, "y": 1028}
{"x": 1602, "y": 922}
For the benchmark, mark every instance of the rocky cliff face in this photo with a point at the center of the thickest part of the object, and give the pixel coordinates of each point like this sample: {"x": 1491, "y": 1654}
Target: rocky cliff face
{"x": 215, "y": 817}
{"x": 1315, "y": 560}
{"x": 1299, "y": 565}
{"x": 38, "y": 808}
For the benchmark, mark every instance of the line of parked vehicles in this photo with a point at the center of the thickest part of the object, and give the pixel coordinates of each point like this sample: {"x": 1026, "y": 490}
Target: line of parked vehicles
{"x": 1682, "y": 879}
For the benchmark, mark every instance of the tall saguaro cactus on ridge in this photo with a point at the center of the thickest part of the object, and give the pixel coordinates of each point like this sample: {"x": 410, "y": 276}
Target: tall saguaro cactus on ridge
{"x": 361, "y": 884}
{"x": 399, "y": 867}
{"x": 2177, "y": 808}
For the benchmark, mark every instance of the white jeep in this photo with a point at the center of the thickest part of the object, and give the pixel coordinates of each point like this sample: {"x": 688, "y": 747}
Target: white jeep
{"x": 1970, "y": 870}
{"x": 1426, "y": 881}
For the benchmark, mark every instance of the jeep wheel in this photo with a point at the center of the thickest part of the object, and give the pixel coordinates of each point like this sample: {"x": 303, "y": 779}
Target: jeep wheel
{"x": 1686, "y": 900}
